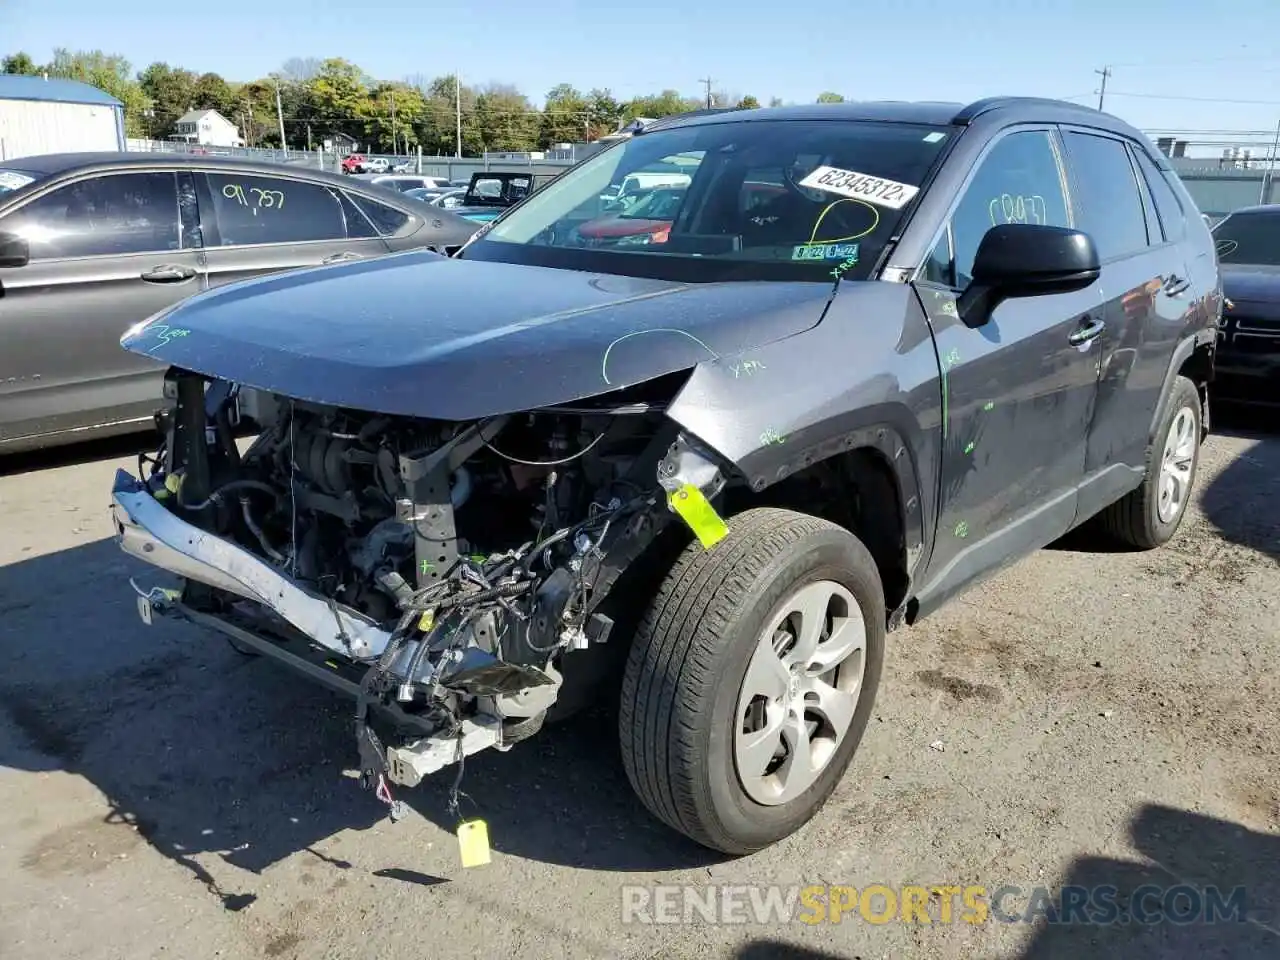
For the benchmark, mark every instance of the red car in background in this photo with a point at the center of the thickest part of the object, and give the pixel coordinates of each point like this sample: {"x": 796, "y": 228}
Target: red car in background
{"x": 353, "y": 163}
{"x": 648, "y": 220}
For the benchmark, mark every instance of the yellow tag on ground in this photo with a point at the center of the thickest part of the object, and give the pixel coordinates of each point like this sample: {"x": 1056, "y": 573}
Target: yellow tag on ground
{"x": 697, "y": 511}
{"x": 473, "y": 843}
{"x": 427, "y": 621}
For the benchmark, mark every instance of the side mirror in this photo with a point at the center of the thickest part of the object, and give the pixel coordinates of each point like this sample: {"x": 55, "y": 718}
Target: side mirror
{"x": 14, "y": 250}
{"x": 1026, "y": 260}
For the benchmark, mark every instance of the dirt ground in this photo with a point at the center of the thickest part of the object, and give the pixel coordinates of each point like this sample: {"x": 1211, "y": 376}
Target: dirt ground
{"x": 1086, "y": 718}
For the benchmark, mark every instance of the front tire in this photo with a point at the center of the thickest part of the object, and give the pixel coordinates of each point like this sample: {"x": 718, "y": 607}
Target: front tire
{"x": 751, "y": 679}
{"x": 1149, "y": 516}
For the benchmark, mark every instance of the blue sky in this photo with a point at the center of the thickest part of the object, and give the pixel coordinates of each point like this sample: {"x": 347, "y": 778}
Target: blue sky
{"x": 1165, "y": 53}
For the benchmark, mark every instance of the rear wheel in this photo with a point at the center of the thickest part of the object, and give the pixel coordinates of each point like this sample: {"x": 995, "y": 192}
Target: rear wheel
{"x": 1149, "y": 516}
{"x": 751, "y": 679}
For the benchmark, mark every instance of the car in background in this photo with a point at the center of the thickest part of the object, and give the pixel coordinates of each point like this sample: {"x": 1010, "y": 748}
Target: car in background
{"x": 407, "y": 182}
{"x": 92, "y": 244}
{"x": 648, "y": 220}
{"x": 489, "y": 193}
{"x": 353, "y": 163}
{"x": 447, "y": 197}
{"x": 1248, "y": 365}
{"x": 376, "y": 165}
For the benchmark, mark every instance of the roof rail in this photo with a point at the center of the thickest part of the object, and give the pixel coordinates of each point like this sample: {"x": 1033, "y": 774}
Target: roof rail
{"x": 677, "y": 117}
{"x": 978, "y": 107}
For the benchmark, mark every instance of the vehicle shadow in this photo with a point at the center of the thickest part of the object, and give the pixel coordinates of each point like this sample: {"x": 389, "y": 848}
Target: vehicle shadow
{"x": 1181, "y": 848}
{"x": 1243, "y": 502}
{"x": 205, "y": 751}
{"x": 142, "y": 440}
{"x": 778, "y": 950}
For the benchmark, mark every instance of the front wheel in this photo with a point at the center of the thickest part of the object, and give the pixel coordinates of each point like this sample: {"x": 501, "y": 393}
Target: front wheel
{"x": 752, "y": 678}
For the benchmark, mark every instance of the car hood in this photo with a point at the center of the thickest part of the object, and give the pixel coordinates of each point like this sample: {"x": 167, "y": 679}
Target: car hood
{"x": 1251, "y": 282}
{"x": 422, "y": 335}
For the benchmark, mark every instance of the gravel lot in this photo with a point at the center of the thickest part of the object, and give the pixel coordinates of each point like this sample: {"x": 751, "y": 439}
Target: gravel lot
{"x": 1087, "y": 717}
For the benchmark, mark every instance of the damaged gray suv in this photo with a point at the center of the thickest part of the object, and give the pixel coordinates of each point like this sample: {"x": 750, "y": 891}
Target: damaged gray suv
{"x": 702, "y": 463}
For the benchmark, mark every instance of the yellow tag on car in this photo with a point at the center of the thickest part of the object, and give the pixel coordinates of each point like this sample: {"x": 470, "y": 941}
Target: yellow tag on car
{"x": 473, "y": 843}
{"x": 696, "y": 510}
{"x": 427, "y": 621}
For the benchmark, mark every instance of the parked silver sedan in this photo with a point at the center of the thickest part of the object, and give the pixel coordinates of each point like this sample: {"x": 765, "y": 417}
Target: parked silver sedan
{"x": 91, "y": 244}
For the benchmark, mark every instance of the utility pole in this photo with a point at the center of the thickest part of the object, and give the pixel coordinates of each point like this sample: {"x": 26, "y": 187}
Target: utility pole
{"x": 1105, "y": 72}
{"x": 393, "y": 124}
{"x": 284, "y": 144}
{"x": 1269, "y": 177}
{"x": 457, "y": 100}
{"x": 707, "y": 82}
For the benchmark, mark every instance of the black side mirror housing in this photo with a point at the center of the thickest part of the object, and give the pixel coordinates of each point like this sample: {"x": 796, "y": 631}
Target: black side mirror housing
{"x": 1026, "y": 260}
{"x": 14, "y": 250}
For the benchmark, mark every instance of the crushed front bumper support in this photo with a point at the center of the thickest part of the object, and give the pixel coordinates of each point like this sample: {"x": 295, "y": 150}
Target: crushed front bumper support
{"x": 150, "y": 532}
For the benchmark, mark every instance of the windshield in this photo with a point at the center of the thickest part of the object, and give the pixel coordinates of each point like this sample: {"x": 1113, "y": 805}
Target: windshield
{"x": 771, "y": 199}
{"x": 11, "y": 179}
{"x": 1249, "y": 238}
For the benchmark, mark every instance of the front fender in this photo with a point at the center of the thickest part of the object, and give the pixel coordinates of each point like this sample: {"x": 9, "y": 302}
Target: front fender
{"x": 866, "y": 377}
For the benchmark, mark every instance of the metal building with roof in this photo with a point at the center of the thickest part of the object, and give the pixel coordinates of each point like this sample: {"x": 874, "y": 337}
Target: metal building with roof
{"x": 51, "y": 115}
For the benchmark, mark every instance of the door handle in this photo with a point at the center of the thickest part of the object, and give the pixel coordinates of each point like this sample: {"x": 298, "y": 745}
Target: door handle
{"x": 1175, "y": 285}
{"x": 341, "y": 257}
{"x": 1088, "y": 332}
{"x": 168, "y": 273}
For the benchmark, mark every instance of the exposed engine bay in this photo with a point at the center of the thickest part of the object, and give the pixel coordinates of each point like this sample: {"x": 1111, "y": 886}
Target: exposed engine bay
{"x": 438, "y": 571}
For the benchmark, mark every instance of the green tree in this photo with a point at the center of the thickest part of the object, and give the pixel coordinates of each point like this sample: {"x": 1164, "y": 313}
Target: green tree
{"x": 172, "y": 92}
{"x": 664, "y": 104}
{"x": 828, "y": 97}
{"x": 211, "y": 92}
{"x": 604, "y": 113}
{"x": 565, "y": 117}
{"x": 20, "y": 63}
{"x": 748, "y": 103}
{"x": 437, "y": 132}
{"x": 505, "y": 120}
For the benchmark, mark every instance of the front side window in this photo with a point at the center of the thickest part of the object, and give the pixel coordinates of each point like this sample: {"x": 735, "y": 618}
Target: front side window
{"x": 1252, "y": 238}
{"x": 109, "y": 215}
{"x": 764, "y": 200}
{"x": 254, "y": 209}
{"x": 1018, "y": 181}
{"x": 1110, "y": 207}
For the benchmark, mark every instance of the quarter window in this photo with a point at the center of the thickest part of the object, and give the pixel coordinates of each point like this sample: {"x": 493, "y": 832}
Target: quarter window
{"x": 253, "y": 210}
{"x": 387, "y": 219}
{"x": 1167, "y": 206}
{"x": 109, "y": 215}
{"x": 1019, "y": 181}
{"x": 1110, "y": 205}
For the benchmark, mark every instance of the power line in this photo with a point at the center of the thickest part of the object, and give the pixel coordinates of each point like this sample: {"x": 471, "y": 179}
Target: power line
{"x": 1164, "y": 96}
{"x": 1105, "y": 73}
{"x": 707, "y": 81}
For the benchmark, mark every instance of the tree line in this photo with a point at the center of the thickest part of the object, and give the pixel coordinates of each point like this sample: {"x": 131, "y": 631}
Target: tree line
{"x": 321, "y": 98}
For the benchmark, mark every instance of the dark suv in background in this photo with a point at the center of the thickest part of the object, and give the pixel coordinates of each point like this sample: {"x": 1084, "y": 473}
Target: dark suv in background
{"x": 1248, "y": 243}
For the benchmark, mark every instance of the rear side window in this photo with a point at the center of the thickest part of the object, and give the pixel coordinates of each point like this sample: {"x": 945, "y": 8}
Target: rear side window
{"x": 1172, "y": 218}
{"x": 252, "y": 210}
{"x": 1110, "y": 207}
{"x": 387, "y": 219}
{"x": 109, "y": 215}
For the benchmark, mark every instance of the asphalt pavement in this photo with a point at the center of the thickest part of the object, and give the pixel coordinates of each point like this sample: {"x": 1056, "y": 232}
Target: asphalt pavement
{"x": 1089, "y": 718}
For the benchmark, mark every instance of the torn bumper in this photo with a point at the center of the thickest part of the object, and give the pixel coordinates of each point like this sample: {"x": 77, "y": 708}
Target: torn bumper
{"x": 146, "y": 529}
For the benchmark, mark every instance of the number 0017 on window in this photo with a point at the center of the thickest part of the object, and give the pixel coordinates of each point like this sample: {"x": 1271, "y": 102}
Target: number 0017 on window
{"x": 861, "y": 186}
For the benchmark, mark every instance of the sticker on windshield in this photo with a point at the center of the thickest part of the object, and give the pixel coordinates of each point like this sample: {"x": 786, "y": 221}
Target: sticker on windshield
{"x": 861, "y": 186}
{"x": 824, "y": 251}
{"x": 9, "y": 180}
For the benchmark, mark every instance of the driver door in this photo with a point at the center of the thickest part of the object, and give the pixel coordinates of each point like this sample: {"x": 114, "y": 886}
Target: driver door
{"x": 1018, "y": 392}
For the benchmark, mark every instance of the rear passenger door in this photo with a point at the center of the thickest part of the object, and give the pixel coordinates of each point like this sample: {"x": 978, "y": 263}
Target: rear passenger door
{"x": 1144, "y": 282}
{"x": 255, "y": 225}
